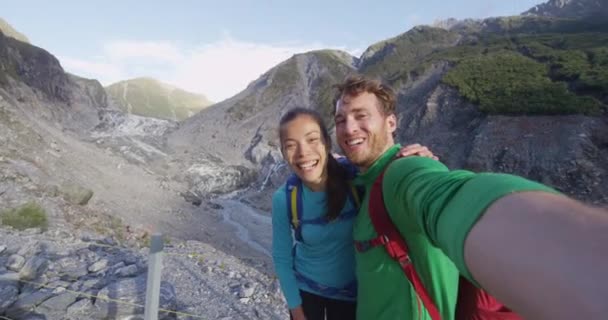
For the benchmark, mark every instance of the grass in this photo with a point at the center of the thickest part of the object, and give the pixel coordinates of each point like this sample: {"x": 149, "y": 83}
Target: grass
{"x": 29, "y": 215}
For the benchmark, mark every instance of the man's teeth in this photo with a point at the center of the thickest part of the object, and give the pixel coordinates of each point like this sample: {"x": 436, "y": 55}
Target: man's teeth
{"x": 354, "y": 142}
{"x": 309, "y": 164}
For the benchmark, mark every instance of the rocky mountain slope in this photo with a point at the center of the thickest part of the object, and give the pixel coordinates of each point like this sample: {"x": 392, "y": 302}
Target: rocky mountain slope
{"x": 525, "y": 95}
{"x": 570, "y": 9}
{"x": 151, "y": 98}
{"x": 540, "y": 110}
{"x": 9, "y": 31}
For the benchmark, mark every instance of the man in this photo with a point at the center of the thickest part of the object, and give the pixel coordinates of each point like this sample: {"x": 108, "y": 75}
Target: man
{"x": 541, "y": 253}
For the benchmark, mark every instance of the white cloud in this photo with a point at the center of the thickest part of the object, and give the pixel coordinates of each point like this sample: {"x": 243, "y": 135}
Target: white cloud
{"x": 218, "y": 70}
{"x": 103, "y": 71}
{"x": 153, "y": 50}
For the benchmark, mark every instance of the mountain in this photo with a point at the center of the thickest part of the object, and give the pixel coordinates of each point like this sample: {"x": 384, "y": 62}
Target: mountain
{"x": 152, "y": 98}
{"x": 571, "y": 9}
{"x": 523, "y": 94}
{"x": 486, "y": 95}
{"x": 9, "y": 31}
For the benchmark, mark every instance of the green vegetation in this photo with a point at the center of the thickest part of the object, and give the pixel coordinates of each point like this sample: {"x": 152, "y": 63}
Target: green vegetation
{"x": 508, "y": 83}
{"x": 322, "y": 90}
{"x": 514, "y": 65}
{"x": 282, "y": 78}
{"x": 394, "y": 58}
{"x": 151, "y": 98}
{"x": 9, "y": 31}
{"x": 29, "y": 215}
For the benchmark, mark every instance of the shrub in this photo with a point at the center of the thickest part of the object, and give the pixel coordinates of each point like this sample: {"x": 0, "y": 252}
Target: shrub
{"x": 29, "y": 215}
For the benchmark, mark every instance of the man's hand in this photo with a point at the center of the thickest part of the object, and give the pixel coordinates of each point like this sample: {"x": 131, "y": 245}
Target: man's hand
{"x": 298, "y": 313}
{"x": 416, "y": 150}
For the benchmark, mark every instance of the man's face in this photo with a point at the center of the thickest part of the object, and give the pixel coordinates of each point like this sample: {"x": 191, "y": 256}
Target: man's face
{"x": 362, "y": 131}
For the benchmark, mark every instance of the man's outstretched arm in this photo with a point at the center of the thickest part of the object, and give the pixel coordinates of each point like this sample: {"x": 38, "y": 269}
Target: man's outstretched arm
{"x": 542, "y": 254}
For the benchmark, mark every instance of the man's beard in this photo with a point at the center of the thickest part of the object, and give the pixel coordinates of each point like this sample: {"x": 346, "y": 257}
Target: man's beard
{"x": 376, "y": 145}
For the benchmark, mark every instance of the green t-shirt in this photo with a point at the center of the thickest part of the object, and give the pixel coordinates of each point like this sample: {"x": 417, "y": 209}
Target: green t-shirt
{"x": 434, "y": 209}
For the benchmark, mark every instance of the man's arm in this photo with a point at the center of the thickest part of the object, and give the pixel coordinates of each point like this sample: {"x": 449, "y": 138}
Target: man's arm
{"x": 544, "y": 255}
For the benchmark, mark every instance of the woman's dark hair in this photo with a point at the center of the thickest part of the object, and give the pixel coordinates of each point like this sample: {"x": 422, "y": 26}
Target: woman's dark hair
{"x": 336, "y": 187}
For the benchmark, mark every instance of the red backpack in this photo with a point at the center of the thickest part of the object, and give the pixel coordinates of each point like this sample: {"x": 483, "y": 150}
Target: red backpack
{"x": 473, "y": 303}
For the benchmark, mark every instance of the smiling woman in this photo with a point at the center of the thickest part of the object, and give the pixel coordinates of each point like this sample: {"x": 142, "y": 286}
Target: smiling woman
{"x": 317, "y": 273}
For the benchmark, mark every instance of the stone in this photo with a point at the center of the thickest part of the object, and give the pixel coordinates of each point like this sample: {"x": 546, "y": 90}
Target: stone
{"x": 56, "y": 307}
{"x": 128, "y": 271}
{"x": 81, "y": 309}
{"x": 247, "y": 290}
{"x": 71, "y": 268}
{"x": 32, "y": 268}
{"x": 15, "y": 262}
{"x": 99, "y": 265}
{"x": 27, "y": 302}
{"x": 76, "y": 194}
{"x": 8, "y": 296}
{"x": 133, "y": 292}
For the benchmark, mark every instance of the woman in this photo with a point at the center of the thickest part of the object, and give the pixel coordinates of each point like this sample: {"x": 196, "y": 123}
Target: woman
{"x": 317, "y": 275}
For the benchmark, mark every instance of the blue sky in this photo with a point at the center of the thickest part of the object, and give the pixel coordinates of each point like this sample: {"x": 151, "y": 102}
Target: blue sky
{"x": 218, "y": 47}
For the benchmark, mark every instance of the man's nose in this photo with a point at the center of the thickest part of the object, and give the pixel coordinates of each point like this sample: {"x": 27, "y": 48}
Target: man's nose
{"x": 350, "y": 126}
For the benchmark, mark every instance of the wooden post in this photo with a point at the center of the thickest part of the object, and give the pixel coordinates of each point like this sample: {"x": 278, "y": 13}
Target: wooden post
{"x": 154, "y": 272}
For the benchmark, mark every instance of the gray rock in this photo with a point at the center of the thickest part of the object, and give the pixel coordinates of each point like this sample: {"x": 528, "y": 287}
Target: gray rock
{"x": 8, "y": 295}
{"x": 128, "y": 271}
{"x": 81, "y": 309}
{"x": 9, "y": 278}
{"x": 133, "y": 291}
{"x": 76, "y": 194}
{"x": 32, "y": 231}
{"x": 15, "y": 262}
{"x": 71, "y": 268}
{"x": 2, "y": 249}
{"x": 26, "y": 303}
{"x": 130, "y": 259}
{"x": 99, "y": 265}
{"x": 247, "y": 290}
{"x": 32, "y": 268}
{"x": 56, "y": 307}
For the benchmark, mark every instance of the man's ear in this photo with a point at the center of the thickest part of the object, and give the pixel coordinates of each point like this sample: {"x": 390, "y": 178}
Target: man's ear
{"x": 391, "y": 122}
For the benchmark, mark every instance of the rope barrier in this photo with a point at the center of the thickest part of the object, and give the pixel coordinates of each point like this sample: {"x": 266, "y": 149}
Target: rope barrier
{"x": 109, "y": 299}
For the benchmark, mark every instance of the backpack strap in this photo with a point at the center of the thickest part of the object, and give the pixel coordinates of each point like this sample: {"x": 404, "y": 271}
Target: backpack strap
{"x": 393, "y": 242}
{"x": 293, "y": 191}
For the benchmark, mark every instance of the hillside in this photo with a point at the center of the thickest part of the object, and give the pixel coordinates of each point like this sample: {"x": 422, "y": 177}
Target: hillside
{"x": 9, "y": 31}
{"x": 151, "y": 98}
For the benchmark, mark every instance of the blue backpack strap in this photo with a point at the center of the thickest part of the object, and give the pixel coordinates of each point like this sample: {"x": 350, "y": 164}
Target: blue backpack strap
{"x": 293, "y": 191}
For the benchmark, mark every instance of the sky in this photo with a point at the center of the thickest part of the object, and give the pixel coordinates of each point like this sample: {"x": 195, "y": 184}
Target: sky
{"x": 218, "y": 47}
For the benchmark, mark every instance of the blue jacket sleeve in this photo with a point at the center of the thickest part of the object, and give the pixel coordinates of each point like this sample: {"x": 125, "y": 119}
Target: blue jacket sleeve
{"x": 282, "y": 244}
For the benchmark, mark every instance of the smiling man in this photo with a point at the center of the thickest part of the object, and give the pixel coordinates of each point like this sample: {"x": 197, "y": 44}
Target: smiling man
{"x": 463, "y": 223}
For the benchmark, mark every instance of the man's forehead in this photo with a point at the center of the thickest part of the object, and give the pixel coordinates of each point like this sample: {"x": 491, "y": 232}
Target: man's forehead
{"x": 344, "y": 104}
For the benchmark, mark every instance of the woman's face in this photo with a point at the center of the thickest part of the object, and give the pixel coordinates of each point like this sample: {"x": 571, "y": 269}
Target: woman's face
{"x": 305, "y": 151}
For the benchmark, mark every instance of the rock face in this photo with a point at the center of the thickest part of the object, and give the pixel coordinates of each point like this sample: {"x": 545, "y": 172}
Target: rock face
{"x": 151, "y": 98}
{"x": 54, "y": 275}
{"x": 570, "y": 9}
{"x": 9, "y": 31}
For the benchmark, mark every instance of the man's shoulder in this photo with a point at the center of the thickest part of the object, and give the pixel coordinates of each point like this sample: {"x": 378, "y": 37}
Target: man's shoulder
{"x": 407, "y": 165}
